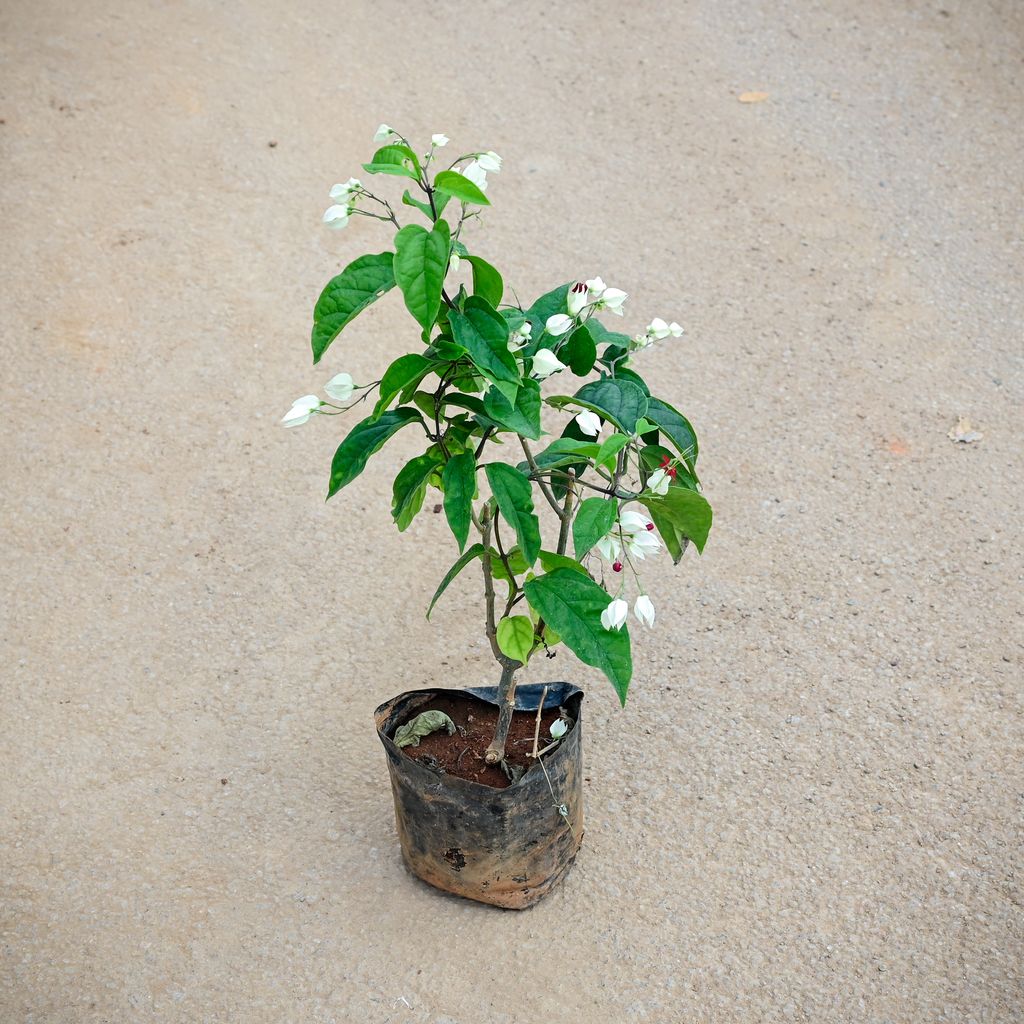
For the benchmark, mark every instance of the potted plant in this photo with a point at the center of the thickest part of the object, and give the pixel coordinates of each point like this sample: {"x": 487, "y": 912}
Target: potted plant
{"x": 487, "y": 781}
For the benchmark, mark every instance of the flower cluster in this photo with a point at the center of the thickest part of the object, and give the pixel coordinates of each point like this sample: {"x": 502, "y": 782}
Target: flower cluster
{"x": 632, "y": 537}
{"x": 344, "y": 196}
{"x": 615, "y": 615}
{"x": 479, "y": 167}
{"x": 340, "y": 387}
{"x": 657, "y": 330}
{"x": 587, "y": 297}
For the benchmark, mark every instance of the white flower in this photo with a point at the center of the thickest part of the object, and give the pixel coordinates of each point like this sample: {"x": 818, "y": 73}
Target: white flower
{"x": 559, "y": 728}
{"x": 658, "y": 329}
{"x": 596, "y": 287}
{"x": 659, "y": 481}
{"x": 644, "y": 610}
{"x": 640, "y": 545}
{"x": 558, "y": 324}
{"x": 489, "y": 161}
{"x": 615, "y": 615}
{"x": 344, "y": 190}
{"x": 476, "y": 174}
{"x": 340, "y": 387}
{"x": 545, "y": 363}
{"x": 632, "y": 521}
{"x": 384, "y": 132}
{"x": 609, "y": 547}
{"x": 439, "y": 140}
{"x": 612, "y": 300}
{"x": 641, "y": 341}
{"x": 336, "y": 217}
{"x": 302, "y": 408}
{"x": 589, "y": 422}
{"x": 520, "y": 337}
{"x": 577, "y": 298}
{"x": 453, "y": 263}
{"x": 675, "y": 329}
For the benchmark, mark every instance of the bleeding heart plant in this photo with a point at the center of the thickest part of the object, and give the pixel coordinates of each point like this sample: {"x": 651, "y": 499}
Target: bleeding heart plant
{"x": 475, "y": 380}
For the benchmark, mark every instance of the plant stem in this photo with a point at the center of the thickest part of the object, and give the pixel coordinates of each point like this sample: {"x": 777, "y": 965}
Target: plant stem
{"x": 506, "y": 685}
{"x": 566, "y": 513}
{"x": 506, "y": 706}
{"x": 540, "y": 712}
{"x": 545, "y": 490}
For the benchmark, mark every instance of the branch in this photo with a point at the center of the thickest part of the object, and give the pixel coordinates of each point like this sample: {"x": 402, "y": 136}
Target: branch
{"x": 563, "y": 533}
{"x": 536, "y": 474}
{"x": 483, "y": 441}
{"x": 492, "y": 628}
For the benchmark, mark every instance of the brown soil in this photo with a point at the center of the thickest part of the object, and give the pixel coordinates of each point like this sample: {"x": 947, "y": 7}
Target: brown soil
{"x": 463, "y": 753}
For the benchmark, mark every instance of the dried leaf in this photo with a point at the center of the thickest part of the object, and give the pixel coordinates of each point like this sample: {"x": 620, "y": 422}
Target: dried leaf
{"x": 410, "y": 734}
{"x": 753, "y": 97}
{"x": 963, "y": 434}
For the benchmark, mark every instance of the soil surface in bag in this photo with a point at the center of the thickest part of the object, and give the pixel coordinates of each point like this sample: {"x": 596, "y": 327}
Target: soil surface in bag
{"x": 462, "y": 754}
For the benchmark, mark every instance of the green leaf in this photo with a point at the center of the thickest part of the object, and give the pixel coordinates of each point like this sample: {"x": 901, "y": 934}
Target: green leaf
{"x": 624, "y": 373}
{"x": 688, "y": 511}
{"x": 440, "y": 202}
{"x": 594, "y": 518}
{"x": 454, "y": 184}
{"x": 514, "y": 495}
{"x": 459, "y": 481}
{"x": 410, "y": 488}
{"x": 515, "y": 318}
{"x": 523, "y": 417}
{"x": 365, "y": 438}
{"x": 610, "y": 447}
{"x": 470, "y": 402}
{"x": 565, "y": 451}
{"x": 445, "y": 349}
{"x": 673, "y": 537}
{"x": 475, "y": 551}
{"x": 676, "y": 427}
{"x": 394, "y": 160}
{"x": 421, "y": 261}
{"x": 603, "y": 336}
{"x": 483, "y": 333}
{"x": 580, "y": 352}
{"x": 620, "y": 401}
{"x": 516, "y": 563}
{"x": 550, "y": 560}
{"x": 515, "y": 637}
{"x": 363, "y": 281}
{"x": 405, "y": 372}
{"x": 572, "y": 603}
{"x": 487, "y": 282}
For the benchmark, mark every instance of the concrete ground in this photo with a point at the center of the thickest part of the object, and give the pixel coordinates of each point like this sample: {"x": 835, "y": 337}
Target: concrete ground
{"x": 810, "y": 809}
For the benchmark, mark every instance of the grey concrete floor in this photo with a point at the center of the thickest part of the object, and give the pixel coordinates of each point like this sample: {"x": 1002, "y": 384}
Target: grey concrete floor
{"x": 810, "y": 809}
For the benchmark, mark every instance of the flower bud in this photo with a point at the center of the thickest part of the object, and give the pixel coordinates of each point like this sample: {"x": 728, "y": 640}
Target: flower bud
{"x": 577, "y": 298}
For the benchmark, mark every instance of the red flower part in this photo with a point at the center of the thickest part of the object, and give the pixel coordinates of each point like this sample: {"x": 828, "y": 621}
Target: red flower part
{"x": 616, "y": 566}
{"x": 666, "y": 465}
{"x": 649, "y": 527}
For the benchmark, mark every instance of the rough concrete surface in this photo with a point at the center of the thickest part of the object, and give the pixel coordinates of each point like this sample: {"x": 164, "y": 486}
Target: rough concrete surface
{"x": 810, "y": 809}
